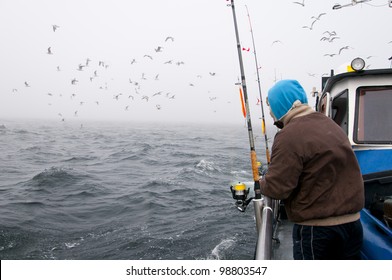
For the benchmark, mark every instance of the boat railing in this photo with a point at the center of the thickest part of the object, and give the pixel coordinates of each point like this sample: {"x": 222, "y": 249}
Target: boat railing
{"x": 264, "y": 213}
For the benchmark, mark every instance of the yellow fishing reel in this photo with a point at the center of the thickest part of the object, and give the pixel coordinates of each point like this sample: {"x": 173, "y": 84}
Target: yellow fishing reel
{"x": 240, "y": 194}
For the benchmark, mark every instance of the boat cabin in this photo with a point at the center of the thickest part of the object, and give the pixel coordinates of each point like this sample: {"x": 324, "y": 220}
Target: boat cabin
{"x": 360, "y": 102}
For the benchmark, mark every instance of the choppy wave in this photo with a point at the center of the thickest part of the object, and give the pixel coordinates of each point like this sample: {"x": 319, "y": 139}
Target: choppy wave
{"x": 55, "y": 177}
{"x": 122, "y": 192}
{"x": 218, "y": 251}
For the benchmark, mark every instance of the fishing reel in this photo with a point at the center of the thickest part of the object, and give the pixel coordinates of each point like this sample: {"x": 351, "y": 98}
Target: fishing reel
{"x": 240, "y": 194}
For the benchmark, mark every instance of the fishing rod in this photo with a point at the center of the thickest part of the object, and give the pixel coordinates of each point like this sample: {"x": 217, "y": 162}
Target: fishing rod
{"x": 263, "y": 127}
{"x": 263, "y": 206}
{"x": 242, "y": 193}
{"x": 269, "y": 203}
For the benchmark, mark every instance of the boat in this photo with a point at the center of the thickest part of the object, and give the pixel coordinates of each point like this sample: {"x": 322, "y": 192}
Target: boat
{"x": 360, "y": 102}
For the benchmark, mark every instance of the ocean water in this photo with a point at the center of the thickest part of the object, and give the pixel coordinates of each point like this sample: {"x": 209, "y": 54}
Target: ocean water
{"x": 112, "y": 191}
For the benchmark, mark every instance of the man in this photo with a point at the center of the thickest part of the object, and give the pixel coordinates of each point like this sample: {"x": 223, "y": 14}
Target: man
{"x": 315, "y": 173}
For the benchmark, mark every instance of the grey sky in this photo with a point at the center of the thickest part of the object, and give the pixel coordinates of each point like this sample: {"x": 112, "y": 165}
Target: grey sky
{"x": 203, "y": 88}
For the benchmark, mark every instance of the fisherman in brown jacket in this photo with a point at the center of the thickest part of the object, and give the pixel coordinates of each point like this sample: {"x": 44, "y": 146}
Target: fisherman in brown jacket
{"x": 315, "y": 173}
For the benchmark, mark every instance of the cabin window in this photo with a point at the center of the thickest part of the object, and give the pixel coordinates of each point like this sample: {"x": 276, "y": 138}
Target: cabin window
{"x": 340, "y": 110}
{"x": 373, "y": 121}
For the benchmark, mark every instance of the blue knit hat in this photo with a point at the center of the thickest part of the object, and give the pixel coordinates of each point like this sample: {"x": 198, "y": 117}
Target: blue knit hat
{"x": 282, "y": 96}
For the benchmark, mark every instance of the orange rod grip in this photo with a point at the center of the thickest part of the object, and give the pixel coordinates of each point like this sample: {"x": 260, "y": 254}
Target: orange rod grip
{"x": 242, "y": 104}
{"x": 255, "y": 170}
{"x": 267, "y": 153}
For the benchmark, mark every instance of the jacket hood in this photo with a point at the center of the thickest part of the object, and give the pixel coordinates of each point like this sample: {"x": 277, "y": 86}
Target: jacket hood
{"x": 282, "y": 96}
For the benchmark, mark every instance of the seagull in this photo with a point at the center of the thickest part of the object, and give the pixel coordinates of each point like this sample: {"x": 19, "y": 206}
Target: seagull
{"x": 276, "y": 41}
{"x": 58, "y": 68}
{"x": 133, "y": 61}
{"x": 331, "y": 55}
{"x": 333, "y": 38}
{"x": 343, "y": 48}
{"x": 212, "y": 73}
{"x": 311, "y": 26}
{"x": 168, "y": 62}
{"x": 80, "y": 67}
{"x": 145, "y": 97}
{"x": 158, "y": 49}
{"x": 54, "y": 26}
{"x": 49, "y": 51}
{"x": 329, "y": 39}
{"x": 117, "y": 96}
{"x": 14, "y": 90}
{"x": 319, "y": 16}
{"x": 158, "y": 107}
{"x": 330, "y": 33}
{"x": 169, "y": 38}
{"x": 302, "y": 4}
{"x": 157, "y": 93}
{"x": 157, "y": 77}
{"x": 149, "y": 56}
{"x": 26, "y": 84}
{"x": 74, "y": 81}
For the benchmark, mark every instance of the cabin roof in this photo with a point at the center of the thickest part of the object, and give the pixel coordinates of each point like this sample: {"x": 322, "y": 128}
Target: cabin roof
{"x": 330, "y": 81}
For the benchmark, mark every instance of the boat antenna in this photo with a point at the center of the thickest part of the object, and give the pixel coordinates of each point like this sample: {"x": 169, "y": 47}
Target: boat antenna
{"x": 253, "y": 156}
{"x": 263, "y": 127}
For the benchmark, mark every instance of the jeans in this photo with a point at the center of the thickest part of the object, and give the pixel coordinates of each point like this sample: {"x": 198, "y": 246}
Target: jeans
{"x": 340, "y": 242}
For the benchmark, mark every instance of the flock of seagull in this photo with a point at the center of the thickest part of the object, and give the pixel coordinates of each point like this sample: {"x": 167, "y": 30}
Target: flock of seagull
{"x": 327, "y": 36}
{"x": 137, "y": 89}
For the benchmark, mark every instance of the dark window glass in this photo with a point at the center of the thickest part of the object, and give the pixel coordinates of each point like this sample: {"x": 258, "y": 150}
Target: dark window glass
{"x": 340, "y": 110}
{"x": 373, "y": 121}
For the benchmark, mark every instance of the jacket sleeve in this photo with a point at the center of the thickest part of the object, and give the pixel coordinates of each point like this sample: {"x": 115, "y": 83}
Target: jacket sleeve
{"x": 285, "y": 168}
